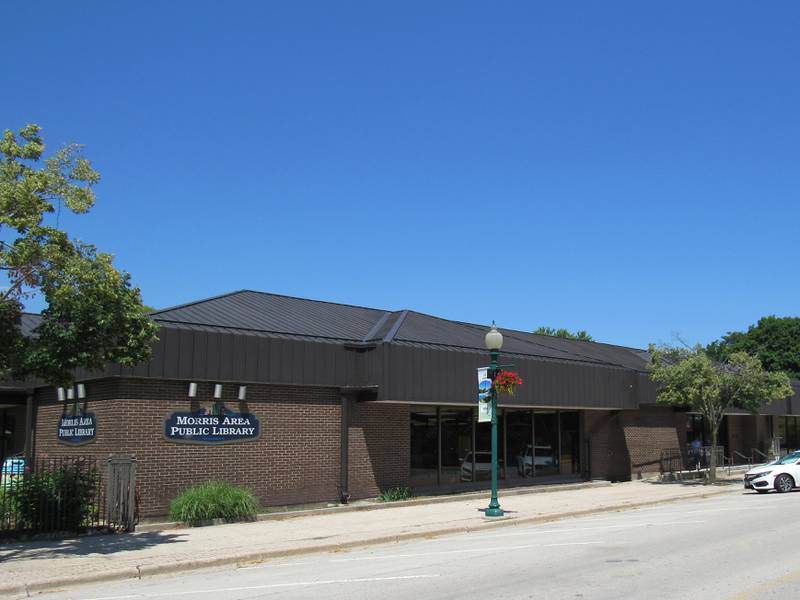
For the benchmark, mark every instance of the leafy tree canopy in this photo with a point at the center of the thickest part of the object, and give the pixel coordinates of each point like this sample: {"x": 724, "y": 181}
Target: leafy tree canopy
{"x": 565, "y": 333}
{"x": 774, "y": 340}
{"x": 692, "y": 378}
{"x": 94, "y": 315}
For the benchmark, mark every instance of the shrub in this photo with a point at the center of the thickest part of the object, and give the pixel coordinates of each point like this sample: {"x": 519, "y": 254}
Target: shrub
{"x": 394, "y": 494}
{"x": 213, "y": 500}
{"x": 59, "y": 500}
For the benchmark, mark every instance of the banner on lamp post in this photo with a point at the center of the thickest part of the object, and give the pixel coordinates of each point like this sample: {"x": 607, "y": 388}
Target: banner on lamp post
{"x": 484, "y": 396}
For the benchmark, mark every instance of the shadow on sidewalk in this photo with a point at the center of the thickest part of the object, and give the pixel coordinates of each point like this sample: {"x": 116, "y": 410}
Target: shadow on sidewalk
{"x": 85, "y": 546}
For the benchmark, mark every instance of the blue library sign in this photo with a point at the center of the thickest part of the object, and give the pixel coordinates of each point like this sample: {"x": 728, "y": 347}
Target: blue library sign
{"x": 202, "y": 427}
{"x": 78, "y": 428}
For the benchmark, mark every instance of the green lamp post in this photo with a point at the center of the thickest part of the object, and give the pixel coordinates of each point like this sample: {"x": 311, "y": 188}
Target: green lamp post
{"x": 494, "y": 341}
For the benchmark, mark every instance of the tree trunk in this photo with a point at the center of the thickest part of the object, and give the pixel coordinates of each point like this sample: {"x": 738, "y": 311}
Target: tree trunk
{"x": 712, "y": 460}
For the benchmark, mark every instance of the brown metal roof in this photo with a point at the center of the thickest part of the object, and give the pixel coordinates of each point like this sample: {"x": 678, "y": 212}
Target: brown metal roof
{"x": 263, "y": 313}
{"x": 258, "y": 311}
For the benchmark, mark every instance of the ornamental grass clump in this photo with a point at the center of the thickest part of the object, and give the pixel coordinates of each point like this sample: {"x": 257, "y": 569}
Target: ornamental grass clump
{"x": 213, "y": 500}
{"x": 395, "y": 494}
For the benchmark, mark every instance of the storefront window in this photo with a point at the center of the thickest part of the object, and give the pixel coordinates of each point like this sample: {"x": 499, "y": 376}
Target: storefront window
{"x": 424, "y": 449}
{"x": 449, "y": 447}
{"x": 570, "y": 443}
{"x": 483, "y": 449}
{"x": 7, "y": 423}
{"x": 698, "y": 429}
{"x": 789, "y": 433}
{"x": 519, "y": 436}
{"x": 545, "y": 448}
{"x": 457, "y": 459}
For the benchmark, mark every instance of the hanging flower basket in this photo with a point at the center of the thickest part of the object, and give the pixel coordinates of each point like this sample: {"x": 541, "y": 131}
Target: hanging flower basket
{"x": 506, "y": 381}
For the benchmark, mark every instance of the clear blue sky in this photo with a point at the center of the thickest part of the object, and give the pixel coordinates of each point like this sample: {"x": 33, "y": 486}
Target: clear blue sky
{"x": 629, "y": 168}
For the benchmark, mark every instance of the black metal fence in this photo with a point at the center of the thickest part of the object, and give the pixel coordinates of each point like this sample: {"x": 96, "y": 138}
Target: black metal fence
{"x": 671, "y": 460}
{"x": 63, "y": 495}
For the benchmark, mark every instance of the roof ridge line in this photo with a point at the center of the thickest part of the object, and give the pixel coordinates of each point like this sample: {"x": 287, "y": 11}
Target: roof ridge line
{"x": 576, "y": 354}
{"x": 389, "y": 337}
{"x": 314, "y": 300}
{"x": 479, "y": 325}
{"x": 569, "y": 358}
{"x": 185, "y": 304}
{"x": 236, "y": 328}
{"x": 376, "y": 327}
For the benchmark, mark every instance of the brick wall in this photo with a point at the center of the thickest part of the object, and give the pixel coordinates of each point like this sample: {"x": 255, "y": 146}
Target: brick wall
{"x": 609, "y": 453}
{"x": 626, "y": 444}
{"x": 295, "y": 460}
{"x": 647, "y": 431}
{"x": 379, "y": 448}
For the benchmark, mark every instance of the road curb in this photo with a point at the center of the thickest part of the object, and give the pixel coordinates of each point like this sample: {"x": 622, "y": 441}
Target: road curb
{"x": 249, "y": 559}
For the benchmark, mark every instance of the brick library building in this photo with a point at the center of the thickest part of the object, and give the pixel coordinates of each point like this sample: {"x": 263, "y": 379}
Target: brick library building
{"x": 304, "y": 401}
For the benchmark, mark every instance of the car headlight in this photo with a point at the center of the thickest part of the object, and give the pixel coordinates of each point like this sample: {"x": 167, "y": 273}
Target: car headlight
{"x": 762, "y": 474}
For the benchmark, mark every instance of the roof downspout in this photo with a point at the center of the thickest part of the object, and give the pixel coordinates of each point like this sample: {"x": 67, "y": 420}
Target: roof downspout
{"x": 344, "y": 445}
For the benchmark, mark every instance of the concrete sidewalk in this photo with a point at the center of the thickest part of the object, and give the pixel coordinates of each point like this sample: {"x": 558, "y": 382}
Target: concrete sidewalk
{"x": 38, "y": 566}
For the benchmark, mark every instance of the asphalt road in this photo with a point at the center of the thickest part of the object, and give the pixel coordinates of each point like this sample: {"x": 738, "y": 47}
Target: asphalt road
{"x": 736, "y": 546}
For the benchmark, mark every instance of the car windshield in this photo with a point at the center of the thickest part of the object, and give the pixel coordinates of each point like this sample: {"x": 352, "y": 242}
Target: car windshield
{"x": 789, "y": 459}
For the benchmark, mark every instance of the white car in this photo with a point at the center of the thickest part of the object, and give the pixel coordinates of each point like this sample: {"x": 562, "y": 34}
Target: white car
{"x": 782, "y": 475}
{"x": 481, "y": 464}
{"x": 525, "y": 462}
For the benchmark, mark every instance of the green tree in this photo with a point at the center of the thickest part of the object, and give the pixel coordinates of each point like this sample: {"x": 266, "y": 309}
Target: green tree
{"x": 774, "y": 340}
{"x": 564, "y": 333}
{"x": 691, "y": 378}
{"x": 93, "y": 314}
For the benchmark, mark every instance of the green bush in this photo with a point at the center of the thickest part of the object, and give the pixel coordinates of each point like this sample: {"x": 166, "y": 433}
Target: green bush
{"x": 59, "y": 500}
{"x": 213, "y": 500}
{"x": 395, "y": 494}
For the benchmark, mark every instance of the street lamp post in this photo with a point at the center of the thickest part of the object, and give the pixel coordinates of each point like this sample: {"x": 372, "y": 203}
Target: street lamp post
{"x": 494, "y": 341}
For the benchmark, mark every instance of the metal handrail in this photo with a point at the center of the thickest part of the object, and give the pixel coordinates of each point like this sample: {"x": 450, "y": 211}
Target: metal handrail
{"x": 759, "y": 452}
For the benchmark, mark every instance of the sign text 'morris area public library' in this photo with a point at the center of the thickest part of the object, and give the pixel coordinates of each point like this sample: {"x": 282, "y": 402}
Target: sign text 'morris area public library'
{"x": 203, "y": 428}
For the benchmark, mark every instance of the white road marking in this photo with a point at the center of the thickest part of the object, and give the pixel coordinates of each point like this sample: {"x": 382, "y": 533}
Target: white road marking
{"x": 461, "y": 551}
{"x": 267, "y": 586}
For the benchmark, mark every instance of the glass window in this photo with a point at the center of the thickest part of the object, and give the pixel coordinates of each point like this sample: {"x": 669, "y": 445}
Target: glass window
{"x": 570, "y": 443}
{"x": 791, "y": 435}
{"x": 519, "y": 433}
{"x": 458, "y": 463}
{"x": 424, "y": 449}
{"x": 545, "y": 448}
{"x": 483, "y": 449}
{"x": 782, "y": 432}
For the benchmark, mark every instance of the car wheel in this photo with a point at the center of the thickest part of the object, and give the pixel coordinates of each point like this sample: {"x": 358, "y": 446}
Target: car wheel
{"x": 762, "y": 491}
{"x": 784, "y": 483}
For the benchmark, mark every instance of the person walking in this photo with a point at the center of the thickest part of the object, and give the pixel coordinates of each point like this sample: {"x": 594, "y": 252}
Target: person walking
{"x": 697, "y": 452}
